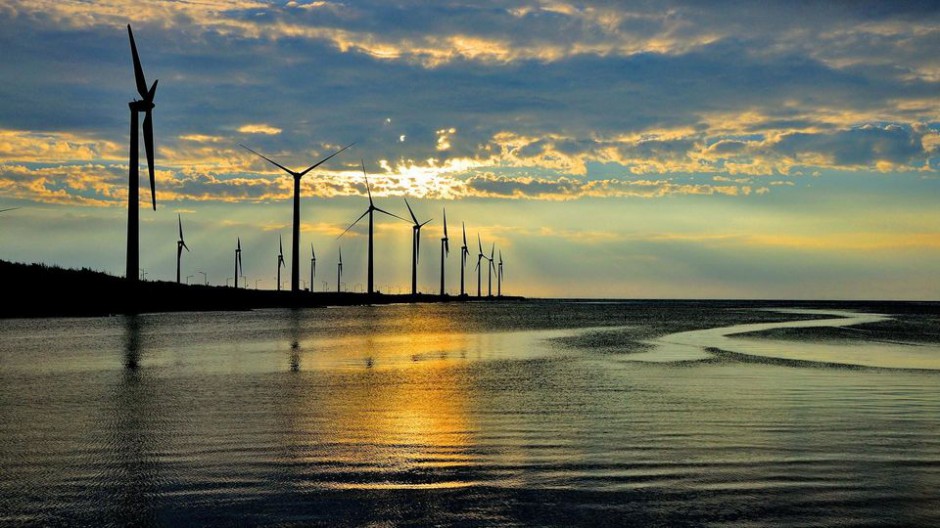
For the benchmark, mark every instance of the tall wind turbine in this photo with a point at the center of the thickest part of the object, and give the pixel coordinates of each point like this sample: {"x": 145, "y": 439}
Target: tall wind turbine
{"x": 479, "y": 270}
{"x": 445, "y": 249}
{"x": 313, "y": 266}
{"x": 180, "y": 244}
{"x": 339, "y": 270}
{"x": 372, "y": 209}
{"x": 295, "y": 245}
{"x": 238, "y": 261}
{"x": 489, "y": 271}
{"x": 144, "y": 105}
{"x": 415, "y": 248}
{"x": 464, "y": 253}
{"x": 499, "y": 276}
{"x": 280, "y": 260}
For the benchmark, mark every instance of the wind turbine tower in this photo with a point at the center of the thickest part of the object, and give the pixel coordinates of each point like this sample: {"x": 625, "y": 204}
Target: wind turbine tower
{"x": 489, "y": 271}
{"x": 238, "y": 261}
{"x": 180, "y": 244}
{"x": 339, "y": 271}
{"x": 280, "y": 261}
{"x": 479, "y": 270}
{"x": 464, "y": 254}
{"x": 145, "y": 105}
{"x": 499, "y": 276}
{"x": 445, "y": 249}
{"x": 415, "y": 248}
{"x": 295, "y": 244}
{"x": 370, "y": 211}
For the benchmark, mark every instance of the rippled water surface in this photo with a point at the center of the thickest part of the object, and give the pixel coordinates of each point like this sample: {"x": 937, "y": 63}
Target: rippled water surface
{"x": 529, "y": 414}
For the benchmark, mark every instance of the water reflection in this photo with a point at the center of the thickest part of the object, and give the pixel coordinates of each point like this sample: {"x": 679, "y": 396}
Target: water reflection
{"x": 132, "y": 341}
{"x": 133, "y": 420}
{"x": 294, "y": 330}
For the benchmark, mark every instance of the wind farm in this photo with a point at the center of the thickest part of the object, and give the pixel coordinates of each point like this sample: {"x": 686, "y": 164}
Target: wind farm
{"x": 711, "y": 294}
{"x": 127, "y": 296}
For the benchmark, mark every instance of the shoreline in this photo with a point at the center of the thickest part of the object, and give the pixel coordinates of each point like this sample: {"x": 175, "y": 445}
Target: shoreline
{"x": 59, "y": 292}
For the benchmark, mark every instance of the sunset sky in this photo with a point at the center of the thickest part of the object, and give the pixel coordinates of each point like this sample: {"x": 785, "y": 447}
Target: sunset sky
{"x": 609, "y": 149}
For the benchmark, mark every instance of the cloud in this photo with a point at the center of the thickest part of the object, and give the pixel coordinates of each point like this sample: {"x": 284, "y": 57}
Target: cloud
{"x": 259, "y": 128}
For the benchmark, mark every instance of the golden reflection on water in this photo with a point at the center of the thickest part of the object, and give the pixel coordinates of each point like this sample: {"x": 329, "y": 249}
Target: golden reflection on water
{"x": 399, "y": 412}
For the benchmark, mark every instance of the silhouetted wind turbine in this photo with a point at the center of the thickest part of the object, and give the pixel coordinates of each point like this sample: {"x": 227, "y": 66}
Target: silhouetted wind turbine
{"x": 464, "y": 253}
{"x": 489, "y": 271}
{"x": 479, "y": 270}
{"x": 280, "y": 260}
{"x": 133, "y": 218}
{"x": 313, "y": 266}
{"x": 180, "y": 244}
{"x": 415, "y": 248}
{"x": 499, "y": 276}
{"x": 372, "y": 208}
{"x": 295, "y": 245}
{"x": 445, "y": 249}
{"x": 339, "y": 271}
{"x": 238, "y": 261}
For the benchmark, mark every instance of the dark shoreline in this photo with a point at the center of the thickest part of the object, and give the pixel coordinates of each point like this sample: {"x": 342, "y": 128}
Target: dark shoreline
{"x": 49, "y": 291}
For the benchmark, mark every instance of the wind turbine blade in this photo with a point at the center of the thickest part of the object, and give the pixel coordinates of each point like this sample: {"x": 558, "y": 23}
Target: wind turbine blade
{"x": 148, "y": 145}
{"x": 285, "y": 169}
{"x": 464, "y": 227}
{"x": 180, "y": 219}
{"x": 368, "y": 190}
{"x": 411, "y": 212}
{"x": 446, "y": 247}
{"x": 390, "y": 214}
{"x": 280, "y": 246}
{"x": 9, "y": 209}
{"x": 493, "y": 251}
{"x": 324, "y": 160}
{"x": 185, "y": 246}
{"x": 340, "y": 256}
{"x": 138, "y": 71}
{"x": 352, "y": 224}
{"x": 313, "y": 254}
{"x": 425, "y": 223}
{"x": 445, "y": 222}
{"x": 153, "y": 91}
{"x": 479, "y": 243}
{"x": 239, "y": 243}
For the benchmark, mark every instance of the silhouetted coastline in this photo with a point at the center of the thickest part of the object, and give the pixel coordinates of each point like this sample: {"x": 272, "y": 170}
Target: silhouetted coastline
{"x": 51, "y": 291}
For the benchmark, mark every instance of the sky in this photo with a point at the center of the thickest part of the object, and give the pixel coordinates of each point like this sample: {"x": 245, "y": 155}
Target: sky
{"x": 668, "y": 149}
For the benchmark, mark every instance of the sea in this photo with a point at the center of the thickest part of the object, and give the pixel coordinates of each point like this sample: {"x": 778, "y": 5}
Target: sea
{"x": 528, "y": 413}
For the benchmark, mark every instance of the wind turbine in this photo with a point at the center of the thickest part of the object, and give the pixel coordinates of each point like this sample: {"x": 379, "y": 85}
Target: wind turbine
{"x": 339, "y": 270}
{"x": 280, "y": 260}
{"x": 464, "y": 253}
{"x": 479, "y": 270}
{"x": 415, "y": 248}
{"x": 238, "y": 261}
{"x": 445, "y": 249}
{"x": 295, "y": 245}
{"x": 499, "y": 276}
{"x": 489, "y": 271}
{"x": 180, "y": 244}
{"x": 313, "y": 266}
{"x": 133, "y": 214}
{"x": 372, "y": 208}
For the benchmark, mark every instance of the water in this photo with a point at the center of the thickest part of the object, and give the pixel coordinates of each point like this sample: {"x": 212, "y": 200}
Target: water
{"x": 529, "y": 414}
